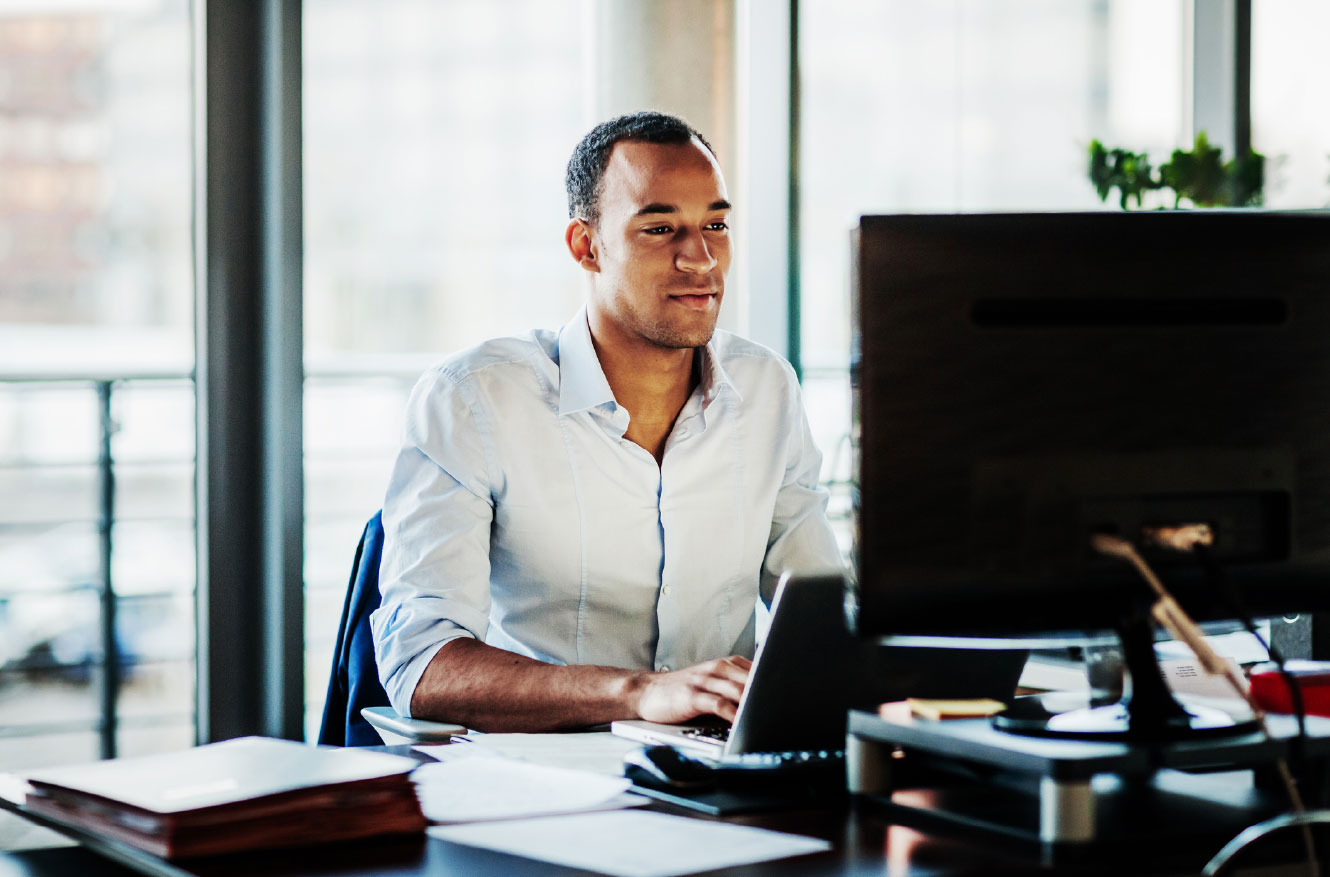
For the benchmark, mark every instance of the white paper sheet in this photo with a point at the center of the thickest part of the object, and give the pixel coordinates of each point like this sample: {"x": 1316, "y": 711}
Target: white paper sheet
{"x": 1196, "y": 688}
{"x": 1187, "y": 676}
{"x": 633, "y": 844}
{"x": 13, "y": 789}
{"x": 474, "y": 788}
{"x": 1240, "y": 645}
{"x": 598, "y": 752}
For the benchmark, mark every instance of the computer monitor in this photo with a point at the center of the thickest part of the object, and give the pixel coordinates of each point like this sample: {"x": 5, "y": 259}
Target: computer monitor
{"x": 1023, "y": 381}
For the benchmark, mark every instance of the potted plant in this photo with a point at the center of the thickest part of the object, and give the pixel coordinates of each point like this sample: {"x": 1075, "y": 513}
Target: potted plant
{"x": 1200, "y": 176}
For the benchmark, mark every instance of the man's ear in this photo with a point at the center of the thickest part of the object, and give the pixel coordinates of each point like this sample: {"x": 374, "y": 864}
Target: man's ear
{"x": 581, "y": 244}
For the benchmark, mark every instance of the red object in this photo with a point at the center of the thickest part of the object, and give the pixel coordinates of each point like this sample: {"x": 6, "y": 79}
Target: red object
{"x": 1270, "y": 690}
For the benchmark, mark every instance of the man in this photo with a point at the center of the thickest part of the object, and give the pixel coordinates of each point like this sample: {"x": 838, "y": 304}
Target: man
{"x": 579, "y": 524}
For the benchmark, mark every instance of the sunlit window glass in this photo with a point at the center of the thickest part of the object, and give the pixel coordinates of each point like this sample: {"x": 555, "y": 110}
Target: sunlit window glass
{"x": 961, "y": 106}
{"x": 435, "y": 140}
{"x": 96, "y": 395}
{"x": 1290, "y": 100}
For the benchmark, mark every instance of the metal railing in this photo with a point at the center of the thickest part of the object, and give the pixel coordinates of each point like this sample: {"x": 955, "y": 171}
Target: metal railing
{"x": 111, "y": 664}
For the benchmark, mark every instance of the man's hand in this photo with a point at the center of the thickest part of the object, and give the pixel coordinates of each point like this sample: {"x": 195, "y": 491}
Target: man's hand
{"x": 712, "y": 688}
{"x": 490, "y": 689}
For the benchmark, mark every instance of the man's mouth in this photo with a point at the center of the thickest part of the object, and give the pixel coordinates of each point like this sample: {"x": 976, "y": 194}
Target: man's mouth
{"x": 697, "y": 300}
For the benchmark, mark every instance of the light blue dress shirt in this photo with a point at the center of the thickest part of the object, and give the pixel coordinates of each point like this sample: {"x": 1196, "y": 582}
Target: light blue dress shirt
{"x": 518, "y": 514}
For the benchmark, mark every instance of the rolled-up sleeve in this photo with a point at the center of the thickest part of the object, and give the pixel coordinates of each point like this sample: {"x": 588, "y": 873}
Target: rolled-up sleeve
{"x": 437, "y": 516}
{"x": 801, "y": 539}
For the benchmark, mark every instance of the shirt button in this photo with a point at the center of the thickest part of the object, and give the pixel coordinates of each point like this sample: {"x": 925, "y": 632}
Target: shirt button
{"x": 624, "y": 442}
{"x": 665, "y": 591}
{"x": 664, "y": 668}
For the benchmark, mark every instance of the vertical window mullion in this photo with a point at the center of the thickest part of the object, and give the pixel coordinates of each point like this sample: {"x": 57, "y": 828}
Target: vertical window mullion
{"x": 1220, "y": 72}
{"x": 249, "y": 342}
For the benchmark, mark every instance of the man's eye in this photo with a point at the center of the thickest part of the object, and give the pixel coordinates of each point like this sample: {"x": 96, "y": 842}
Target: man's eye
{"x": 657, "y": 229}
{"x": 718, "y": 225}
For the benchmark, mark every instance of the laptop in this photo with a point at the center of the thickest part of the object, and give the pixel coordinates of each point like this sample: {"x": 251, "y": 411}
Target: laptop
{"x": 810, "y": 670}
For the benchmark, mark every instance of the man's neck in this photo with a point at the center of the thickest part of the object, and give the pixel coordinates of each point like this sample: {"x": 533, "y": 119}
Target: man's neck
{"x": 653, "y": 384}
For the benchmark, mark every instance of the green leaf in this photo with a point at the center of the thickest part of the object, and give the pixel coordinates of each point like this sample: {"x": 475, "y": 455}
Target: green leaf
{"x": 1199, "y": 175}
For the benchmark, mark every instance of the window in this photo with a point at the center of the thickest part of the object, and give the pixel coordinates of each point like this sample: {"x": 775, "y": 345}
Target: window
{"x": 1290, "y": 89}
{"x": 435, "y": 141}
{"x": 96, "y": 346}
{"x": 965, "y": 105}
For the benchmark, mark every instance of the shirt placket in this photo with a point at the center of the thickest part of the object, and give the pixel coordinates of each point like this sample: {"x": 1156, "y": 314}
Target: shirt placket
{"x": 646, "y": 479}
{"x": 668, "y": 615}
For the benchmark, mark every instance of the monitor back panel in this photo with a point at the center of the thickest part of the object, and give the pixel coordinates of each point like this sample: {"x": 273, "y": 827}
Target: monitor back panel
{"x": 1022, "y": 381}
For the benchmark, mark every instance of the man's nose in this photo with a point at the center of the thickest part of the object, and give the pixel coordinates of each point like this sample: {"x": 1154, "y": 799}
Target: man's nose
{"x": 694, "y": 254}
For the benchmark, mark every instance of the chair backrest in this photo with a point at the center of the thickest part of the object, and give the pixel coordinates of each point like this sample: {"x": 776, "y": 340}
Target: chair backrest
{"x": 354, "y": 681}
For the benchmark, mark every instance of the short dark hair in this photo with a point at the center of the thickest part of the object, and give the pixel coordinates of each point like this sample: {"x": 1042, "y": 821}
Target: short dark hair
{"x": 586, "y": 169}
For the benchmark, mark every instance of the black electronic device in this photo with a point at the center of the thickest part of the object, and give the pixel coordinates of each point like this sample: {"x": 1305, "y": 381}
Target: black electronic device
{"x": 664, "y": 767}
{"x": 803, "y": 680}
{"x": 1022, "y": 382}
{"x": 670, "y": 768}
{"x": 809, "y": 671}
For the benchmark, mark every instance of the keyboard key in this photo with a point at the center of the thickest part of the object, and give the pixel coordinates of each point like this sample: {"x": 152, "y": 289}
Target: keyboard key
{"x": 795, "y": 760}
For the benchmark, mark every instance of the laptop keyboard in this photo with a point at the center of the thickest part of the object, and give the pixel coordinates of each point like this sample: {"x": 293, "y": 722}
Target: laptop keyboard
{"x": 717, "y": 735}
{"x": 791, "y": 760}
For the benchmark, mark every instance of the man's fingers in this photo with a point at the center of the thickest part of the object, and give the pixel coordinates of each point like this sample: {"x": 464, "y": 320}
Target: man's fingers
{"x": 709, "y": 702}
{"x": 712, "y": 688}
{"x": 735, "y": 668}
{"x": 727, "y": 688}
{"x": 726, "y": 677}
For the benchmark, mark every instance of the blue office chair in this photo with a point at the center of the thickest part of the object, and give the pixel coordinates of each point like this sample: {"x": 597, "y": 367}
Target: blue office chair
{"x": 357, "y": 712}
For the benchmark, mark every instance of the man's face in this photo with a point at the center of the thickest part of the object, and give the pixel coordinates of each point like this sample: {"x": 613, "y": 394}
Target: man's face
{"x": 661, "y": 246}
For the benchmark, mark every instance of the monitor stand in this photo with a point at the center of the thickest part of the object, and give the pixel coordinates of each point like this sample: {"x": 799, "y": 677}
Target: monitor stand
{"x": 1147, "y": 712}
{"x": 1073, "y": 795}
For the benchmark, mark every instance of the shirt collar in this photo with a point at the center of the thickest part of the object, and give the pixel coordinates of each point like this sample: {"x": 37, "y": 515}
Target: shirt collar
{"x": 582, "y": 382}
{"x": 714, "y": 377}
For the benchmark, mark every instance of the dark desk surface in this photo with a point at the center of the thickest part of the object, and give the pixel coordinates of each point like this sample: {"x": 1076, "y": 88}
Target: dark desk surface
{"x": 864, "y": 842}
{"x": 867, "y": 837}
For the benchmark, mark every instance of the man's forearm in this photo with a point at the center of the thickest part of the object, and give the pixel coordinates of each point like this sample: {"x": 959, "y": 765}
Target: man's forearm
{"x": 490, "y": 689}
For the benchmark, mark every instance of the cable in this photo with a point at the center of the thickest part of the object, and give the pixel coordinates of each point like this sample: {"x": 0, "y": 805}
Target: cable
{"x": 1171, "y": 615}
{"x": 1175, "y": 620}
{"x": 1234, "y": 597}
{"x": 1255, "y": 832}
{"x": 1197, "y": 539}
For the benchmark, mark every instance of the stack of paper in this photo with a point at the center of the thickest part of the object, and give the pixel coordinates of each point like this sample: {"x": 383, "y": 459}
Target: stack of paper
{"x": 545, "y": 796}
{"x": 595, "y": 751}
{"x": 489, "y": 787}
{"x": 249, "y": 793}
